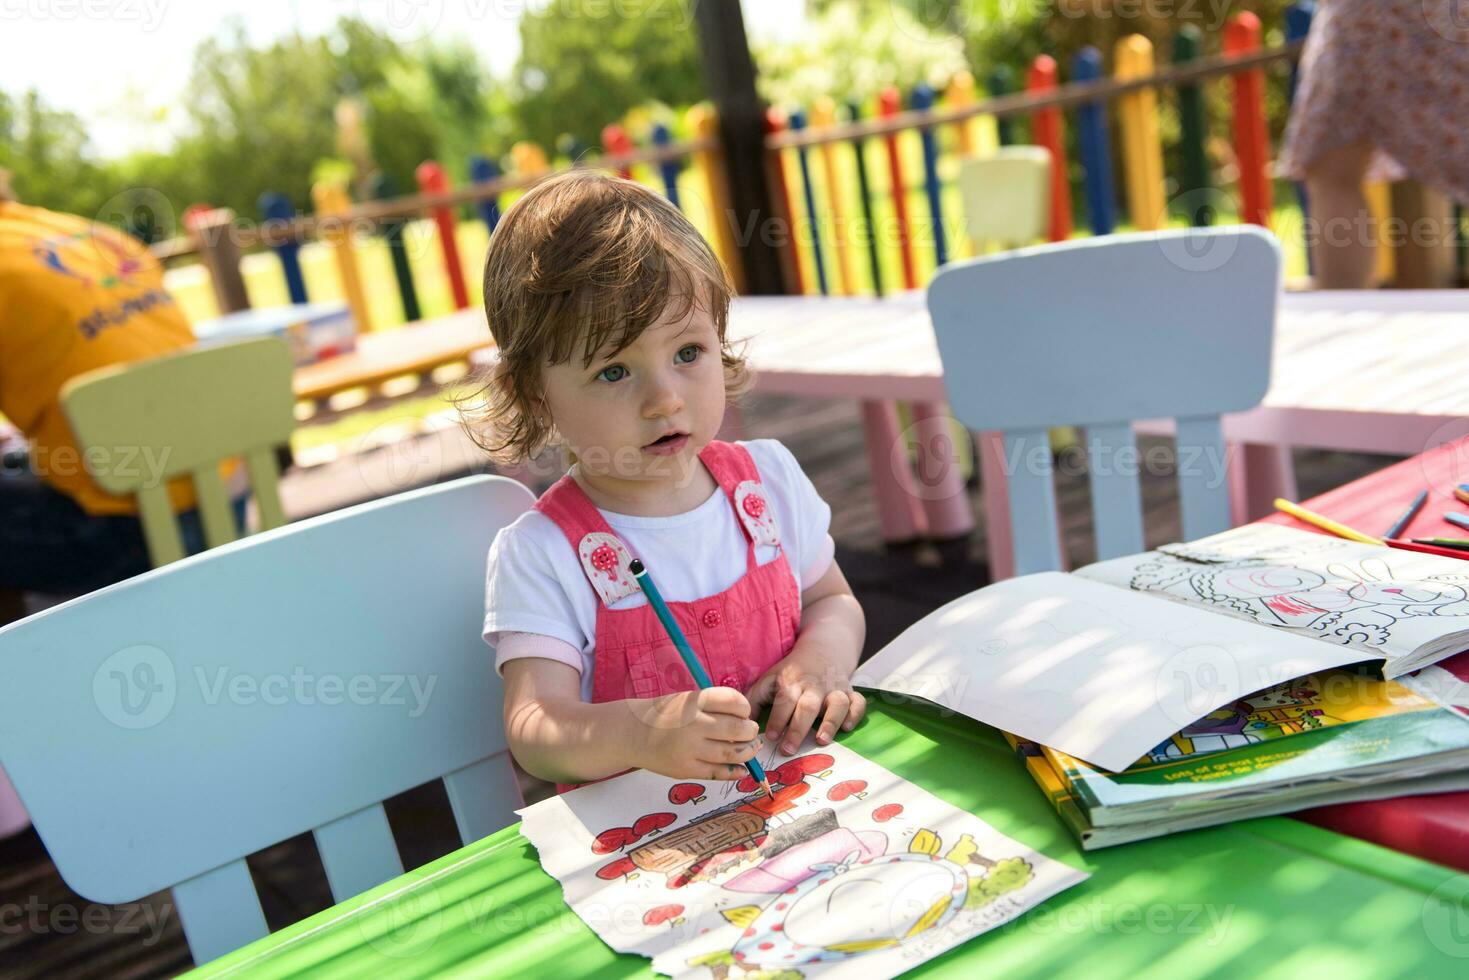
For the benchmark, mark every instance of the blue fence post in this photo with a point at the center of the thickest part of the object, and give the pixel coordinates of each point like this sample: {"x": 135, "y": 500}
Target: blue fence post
{"x": 923, "y": 99}
{"x": 481, "y": 170}
{"x": 1095, "y": 148}
{"x": 798, "y": 123}
{"x": 275, "y": 207}
{"x": 667, "y": 168}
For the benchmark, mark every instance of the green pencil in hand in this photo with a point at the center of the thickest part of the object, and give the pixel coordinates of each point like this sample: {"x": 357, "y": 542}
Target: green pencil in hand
{"x": 701, "y": 677}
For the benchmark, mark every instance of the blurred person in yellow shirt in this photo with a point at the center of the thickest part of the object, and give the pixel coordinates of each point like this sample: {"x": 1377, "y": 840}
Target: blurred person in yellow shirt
{"x": 74, "y": 296}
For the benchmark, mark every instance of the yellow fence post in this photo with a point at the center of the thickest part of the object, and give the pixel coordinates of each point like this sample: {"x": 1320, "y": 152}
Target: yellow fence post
{"x": 331, "y": 201}
{"x": 1142, "y": 150}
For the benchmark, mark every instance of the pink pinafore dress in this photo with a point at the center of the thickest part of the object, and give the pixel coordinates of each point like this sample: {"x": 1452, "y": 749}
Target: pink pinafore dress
{"x": 737, "y": 634}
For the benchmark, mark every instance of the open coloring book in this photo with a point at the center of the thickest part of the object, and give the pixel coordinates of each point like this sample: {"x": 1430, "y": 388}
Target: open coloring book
{"x": 848, "y": 870}
{"x": 1109, "y": 661}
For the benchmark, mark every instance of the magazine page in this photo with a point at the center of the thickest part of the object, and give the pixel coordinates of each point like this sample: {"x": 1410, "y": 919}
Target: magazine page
{"x": 1408, "y": 608}
{"x": 1101, "y": 674}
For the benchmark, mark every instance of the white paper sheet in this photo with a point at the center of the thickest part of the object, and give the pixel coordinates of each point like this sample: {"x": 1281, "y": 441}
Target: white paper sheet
{"x": 1097, "y": 671}
{"x": 851, "y": 871}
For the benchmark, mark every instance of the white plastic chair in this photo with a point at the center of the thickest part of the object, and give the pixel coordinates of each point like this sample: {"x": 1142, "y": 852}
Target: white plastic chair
{"x": 1102, "y": 332}
{"x": 161, "y": 729}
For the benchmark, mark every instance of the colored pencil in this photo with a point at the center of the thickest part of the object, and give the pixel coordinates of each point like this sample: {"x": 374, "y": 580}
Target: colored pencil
{"x": 1325, "y": 523}
{"x": 1460, "y": 544}
{"x": 681, "y": 643}
{"x": 1427, "y": 549}
{"x": 1408, "y": 515}
{"x": 1462, "y": 492}
{"x": 1458, "y": 520}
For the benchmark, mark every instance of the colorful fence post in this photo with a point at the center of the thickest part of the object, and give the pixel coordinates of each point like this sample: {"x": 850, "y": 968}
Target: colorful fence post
{"x": 1297, "y": 25}
{"x": 433, "y": 180}
{"x": 528, "y": 159}
{"x": 889, "y": 103}
{"x": 1094, "y": 146}
{"x": 703, "y": 122}
{"x": 482, "y": 170}
{"x": 616, "y": 142}
{"x": 790, "y": 262}
{"x": 864, "y": 190}
{"x": 211, "y": 228}
{"x": 977, "y": 136}
{"x": 1002, "y": 82}
{"x": 1046, "y": 125}
{"x": 275, "y": 207}
{"x": 384, "y": 187}
{"x": 1242, "y": 36}
{"x": 1142, "y": 152}
{"x": 922, "y": 99}
{"x": 1193, "y": 126}
{"x": 667, "y": 169}
{"x": 797, "y": 123}
{"x": 824, "y": 116}
{"x": 332, "y": 204}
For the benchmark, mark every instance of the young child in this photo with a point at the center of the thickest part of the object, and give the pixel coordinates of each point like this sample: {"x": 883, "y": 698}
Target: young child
{"x": 609, "y": 312}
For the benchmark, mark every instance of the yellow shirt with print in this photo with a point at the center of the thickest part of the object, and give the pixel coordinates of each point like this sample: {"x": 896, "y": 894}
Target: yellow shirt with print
{"x": 76, "y": 296}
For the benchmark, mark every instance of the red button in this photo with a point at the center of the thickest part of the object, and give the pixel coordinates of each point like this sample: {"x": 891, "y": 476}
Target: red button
{"x": 712, "y": 618}
{"x": 729, "y": 680}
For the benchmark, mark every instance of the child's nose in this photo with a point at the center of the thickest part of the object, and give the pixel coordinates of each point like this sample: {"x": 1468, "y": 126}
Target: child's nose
{"x": 663, "y": 398}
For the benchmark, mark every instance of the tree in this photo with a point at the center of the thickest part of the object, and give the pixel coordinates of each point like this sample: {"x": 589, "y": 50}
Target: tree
{"x": 582, "y": 66}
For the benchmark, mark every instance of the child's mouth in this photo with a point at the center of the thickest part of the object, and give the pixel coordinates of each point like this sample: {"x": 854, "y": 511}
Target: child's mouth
{"x": 668, "y": 444}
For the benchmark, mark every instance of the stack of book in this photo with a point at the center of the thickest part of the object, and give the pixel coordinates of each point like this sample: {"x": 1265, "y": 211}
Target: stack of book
{"x": 1254, "y": 672}
{"x": 1334, "y": 737}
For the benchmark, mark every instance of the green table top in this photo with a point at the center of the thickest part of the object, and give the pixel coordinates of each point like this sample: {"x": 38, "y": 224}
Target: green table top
{"x": 1262, "y": 898}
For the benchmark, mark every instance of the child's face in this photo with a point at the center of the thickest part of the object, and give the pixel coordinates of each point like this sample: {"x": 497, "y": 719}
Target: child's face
{"x": 611, "y": 413}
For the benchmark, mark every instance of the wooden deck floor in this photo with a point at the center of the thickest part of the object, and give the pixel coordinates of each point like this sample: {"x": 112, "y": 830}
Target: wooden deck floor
{"x": 46, "y": 930}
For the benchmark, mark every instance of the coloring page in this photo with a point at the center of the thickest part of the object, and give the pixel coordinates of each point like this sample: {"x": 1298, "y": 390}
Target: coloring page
{"x": 847, "y": 870}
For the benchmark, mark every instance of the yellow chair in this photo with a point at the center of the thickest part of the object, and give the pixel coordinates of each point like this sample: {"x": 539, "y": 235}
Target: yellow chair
{"x": 1007, "y": 196}
{"x": 187, "y": 413}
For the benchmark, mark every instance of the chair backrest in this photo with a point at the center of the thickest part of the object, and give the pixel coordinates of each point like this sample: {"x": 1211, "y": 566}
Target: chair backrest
{"x": 185, "y": 413}
{"x": 1102, "y": 332}
{"x": 1007, "y": 196}
{"x": 161, "y": 729}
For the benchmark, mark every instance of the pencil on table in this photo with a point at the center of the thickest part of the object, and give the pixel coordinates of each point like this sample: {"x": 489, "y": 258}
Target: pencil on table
{"x": 1412, "y": 512}
{"x": 1427, "y": 549}
{"x": 1458, "y": 520}
{"x": 1325, "y": 523}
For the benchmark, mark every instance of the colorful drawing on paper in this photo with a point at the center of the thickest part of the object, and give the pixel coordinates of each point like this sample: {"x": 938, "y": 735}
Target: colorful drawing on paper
{"x": 1348, "y": 602}
{"x": 846, "y": 868}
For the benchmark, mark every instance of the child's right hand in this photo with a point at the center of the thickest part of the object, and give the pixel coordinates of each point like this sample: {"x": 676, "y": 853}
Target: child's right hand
{"x": 698, "y": 734}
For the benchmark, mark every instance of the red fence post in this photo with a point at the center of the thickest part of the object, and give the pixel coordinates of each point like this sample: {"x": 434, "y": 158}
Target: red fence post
{"x": 433, "y": 180}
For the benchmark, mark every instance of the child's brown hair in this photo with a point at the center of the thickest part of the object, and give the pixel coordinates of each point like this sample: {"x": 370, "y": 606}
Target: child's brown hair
{"x": 583, "y": 257}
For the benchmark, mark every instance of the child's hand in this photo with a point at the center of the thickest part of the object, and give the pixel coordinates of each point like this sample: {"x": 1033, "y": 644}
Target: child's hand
{"x": 801, "y": 687}
{"x": 698, "y": 734}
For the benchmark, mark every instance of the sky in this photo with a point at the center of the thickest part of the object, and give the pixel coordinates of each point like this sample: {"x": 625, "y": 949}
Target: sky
{"x": 119, "y": 63}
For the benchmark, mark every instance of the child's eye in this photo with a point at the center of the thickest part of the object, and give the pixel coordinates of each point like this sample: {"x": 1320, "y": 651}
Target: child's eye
{"x": 621, "y": 373}
{"x": 695, "y": 349}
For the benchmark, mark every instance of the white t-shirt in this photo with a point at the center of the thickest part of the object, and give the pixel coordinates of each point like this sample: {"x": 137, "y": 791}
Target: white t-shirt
{"x": 535, "y": 584}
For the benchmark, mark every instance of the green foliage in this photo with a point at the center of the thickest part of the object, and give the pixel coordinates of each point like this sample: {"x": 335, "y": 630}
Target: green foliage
{"x": 857, "y": 48}
{"x": 582, "y": 65}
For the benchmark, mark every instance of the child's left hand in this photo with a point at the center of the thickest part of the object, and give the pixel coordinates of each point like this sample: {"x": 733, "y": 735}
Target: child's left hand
{"x": 801, "y": 687}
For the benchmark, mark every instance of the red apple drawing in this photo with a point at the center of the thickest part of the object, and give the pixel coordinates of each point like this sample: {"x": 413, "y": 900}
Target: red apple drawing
{"x": 747, "y": 784}
{"x": 662, "y": 914}
{"x": 613, "y": 838}
{"x": 846, "y": 788}
{"x": 886, "y": 812}
{"x": 618, "y": 868}
{"x": 682, "y": 793}
{"x": 651, "y": 824}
